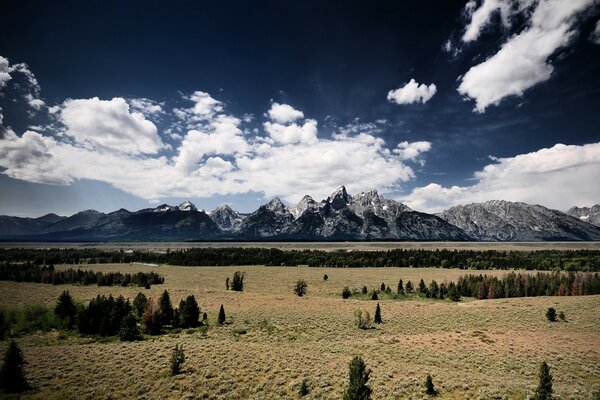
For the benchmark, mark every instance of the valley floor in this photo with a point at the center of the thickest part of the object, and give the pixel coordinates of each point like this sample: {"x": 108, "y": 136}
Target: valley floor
{"x": 484, "y": 349}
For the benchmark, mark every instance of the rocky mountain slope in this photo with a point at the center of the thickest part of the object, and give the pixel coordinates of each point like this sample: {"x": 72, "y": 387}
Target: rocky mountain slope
{"x": 591, "y": 215}
{"x": 499, "y": 220}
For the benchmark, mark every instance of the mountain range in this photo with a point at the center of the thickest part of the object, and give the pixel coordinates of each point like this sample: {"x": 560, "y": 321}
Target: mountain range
{"x": 365, "y": 216}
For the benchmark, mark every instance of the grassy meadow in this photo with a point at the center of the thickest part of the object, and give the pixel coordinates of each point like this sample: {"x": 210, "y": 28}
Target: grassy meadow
{"x": 474, "y": 349}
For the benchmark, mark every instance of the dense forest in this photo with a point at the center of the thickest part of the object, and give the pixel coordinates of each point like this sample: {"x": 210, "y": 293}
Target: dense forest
{"x": 29, "y": 272}
{"x": 567, "y": 260}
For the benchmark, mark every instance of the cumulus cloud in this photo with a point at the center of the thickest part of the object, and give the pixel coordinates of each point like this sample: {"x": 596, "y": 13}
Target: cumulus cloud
{"x": 557, "y": 177}
{"x": 284, "y": 113}
{"x": 595, "y": 35}
{"x": 107, "y": 142}
{"x": 412, "y": 92}
{"x": 109, "y": 124}
{"x": 32, "y": 96}
{"x": 4, "y": 72}
{"x": 523, "y": 61}
{"x": 146, "y": 106}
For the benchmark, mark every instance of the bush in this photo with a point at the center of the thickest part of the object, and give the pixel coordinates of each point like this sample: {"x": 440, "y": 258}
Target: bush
{"x": 304, "y": 386}
{"x": 346, "y": 293}
{"x": 12, "y": 377}
{"x": 177, "y": 358}
{"x": 363, "y": 319}
{"x": 551, "y": 314}
{"x": 378, "y": 314}
{"x": 429, "y": 389}
{"x": 300, "y": 288}
{"x": 544, "y": 389}
{"x": 374, "y": 295}
{"x": 65, "y": 310}
{"x": 237, "y": 283}
{"x": 325, "y": 277}
{"x": 561, "y": 316}
{"x": 358, "y": 378}
{"x": 364, "y": 290}
{"x": 221, "y": 319}
{"x": 129, "y": 330}
{"x": 33, "y": 318}
{"x": 139, "y": 304}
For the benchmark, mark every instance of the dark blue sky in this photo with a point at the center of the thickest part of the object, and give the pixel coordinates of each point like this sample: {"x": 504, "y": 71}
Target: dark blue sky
{"x": 334, "y": 61}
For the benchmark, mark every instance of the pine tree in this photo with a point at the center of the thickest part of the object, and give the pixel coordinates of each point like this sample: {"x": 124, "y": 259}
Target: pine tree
{"x": 382, "y": 287}
{"x": 325, "y": 277}
{"x": 429, "y": 389}
{"x": 165, "y": 308}
{"x": 422, "y": 287}
{"x": 189, "y": 312}
{"x": 409, "y": 287}
{"x": 12, "y": 377}
{"x": 453, "y": 293}
{"x": 300, "y": 288}
{"x": 237, "y": 282}
{"x": 346, "y": 293}
{"x": 377, "y": 318}
{"x": 177, "y": 358}
{"x": 374, "y": 295}
{"x": 221, "y": 315}
{"x": 139, "y": 304}
{"x": 551, "y": 314}
{"x": 364, "y": 290}
{"x": 544, "y": 389}
{"x": 129, "y": 330}
{"x": 400, "y": 287}
{"x": 65, "y": 309}
{"x": 358, "y": 378}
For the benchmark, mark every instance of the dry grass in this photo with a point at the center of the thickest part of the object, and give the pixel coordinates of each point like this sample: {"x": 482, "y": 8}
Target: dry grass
{"x": 474, "y": 349}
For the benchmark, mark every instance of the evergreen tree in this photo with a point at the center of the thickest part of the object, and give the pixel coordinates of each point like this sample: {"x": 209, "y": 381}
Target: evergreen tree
{"x": 358, "y": 388}
{"x": 237, "y": 283}
{"x": 300, "y": 288}
{"x": 303, "y": 388}
{"x": 400, "y": 287}
{"x": 151, "y": 319}
{"x": 325, "y": 277}
{"x": 221, "y": 315}
{"x": 189, "y": 312}
{"x": 422, "y": 287}
{"x": 544, "y": 389}
{"x": 227, "y": 283}
{"x": 346, "y": 293}
{"x": 551, "y": 314}
{"x": 12, "y": 377}
{"x": 65, "y": 309}
{"x": 429, "y": 389}
{"x": 453, "y": 293}
{"x": 4, "y": 326}
{"x": 382, "y": 287}
{"x": 177, "y": 358}
{"x": 409, "y": 287}
{"x": 165, "y": 308}
{"x": 374, "y": 295}
{"x": 377, "y": 318}
{"x": 129, "y": 330}
{"x": 139, "y": 304}
{"x": 364, "y": 290}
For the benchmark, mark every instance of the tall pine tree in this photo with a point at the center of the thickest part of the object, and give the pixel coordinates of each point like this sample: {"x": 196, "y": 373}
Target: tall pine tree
{"x": 377, "y": 318}
{"x": 544, "y": 389}
{"x": 359, "y": 377}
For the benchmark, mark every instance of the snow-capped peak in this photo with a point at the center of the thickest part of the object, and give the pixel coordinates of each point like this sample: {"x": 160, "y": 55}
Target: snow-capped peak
{"x": 187, "y": 206}
{"x": 303, "y": 205}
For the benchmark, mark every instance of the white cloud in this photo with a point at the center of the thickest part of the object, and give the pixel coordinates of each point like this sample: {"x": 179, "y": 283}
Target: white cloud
{"x": 4, "y": 72}
{"x": 481, "y": 16}
{"x": 412, "y": 92}
{"x": 557, "y": 177}
{"x": 595, "y": 35}
{"x": 410, "y": 151}
{"x": 146, "y": 106}
{"x": 109, "y": 124}
{"x": 293, "y": 133}
{"x": 284, "y": 113}
{"x": 521, "y": 62}
{"x": 32, "y": 96}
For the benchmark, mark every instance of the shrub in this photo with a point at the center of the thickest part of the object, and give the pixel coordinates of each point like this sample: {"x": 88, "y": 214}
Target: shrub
{"x": 221, "y": 319}
{"x": 139, "y": 304}
{"x": 189, "y": 313}
{"x": 177, "y": 358}
{"x": 377, "y": 318}
{"x": 129, "y": 331}
{"x": 382, "y": 287}
{"x": 325, "y": 277}
{"x": 227, "y": 283}
{"x": 551, "y": 314}
{"x": 358, "y": 388}
{"x": 303, "y": 387}
{"x": 346, "y": 293}
{"x": 429, "y": 389}
{"x": 33, "y": 318}
{"x": 300, "y": 288}
{"x": 364, "y": 290}
{"x": 363, "y": 319}
{"x": 561, "y": 316}
{"x": 12, "y": 377}
{"x": 544, "y": 389}
{"x": 65, "y": 309}
{"x": 237, "y": 283}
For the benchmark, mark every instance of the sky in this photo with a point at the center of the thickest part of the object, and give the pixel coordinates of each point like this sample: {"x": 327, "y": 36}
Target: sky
{"x": 112, "y": 104}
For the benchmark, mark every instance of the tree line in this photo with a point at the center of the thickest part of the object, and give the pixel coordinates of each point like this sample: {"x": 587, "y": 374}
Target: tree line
{"x": 30, "y": 272}
{"x": 567, "y": 260}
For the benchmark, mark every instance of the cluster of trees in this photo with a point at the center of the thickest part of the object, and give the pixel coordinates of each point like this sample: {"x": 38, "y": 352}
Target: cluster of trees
{"x": 158, "y": 315}
{"x": 433, "y": 290}
{"x": 529, "y": 285}
{"x": 30, "y": 272}
{"x": 568, "y": 260}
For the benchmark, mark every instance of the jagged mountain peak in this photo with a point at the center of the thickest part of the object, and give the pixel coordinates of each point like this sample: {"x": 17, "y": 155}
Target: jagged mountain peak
{"x": 304, "y": 204}
{"x": 590, "y": 215}
{"x": 276, "y": 205}
{"x": 187, "y": 206}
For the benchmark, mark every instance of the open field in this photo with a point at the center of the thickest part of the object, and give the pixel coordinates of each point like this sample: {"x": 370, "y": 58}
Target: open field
{"x": 325, "y": 246}
{"x": 484, "y": 349}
